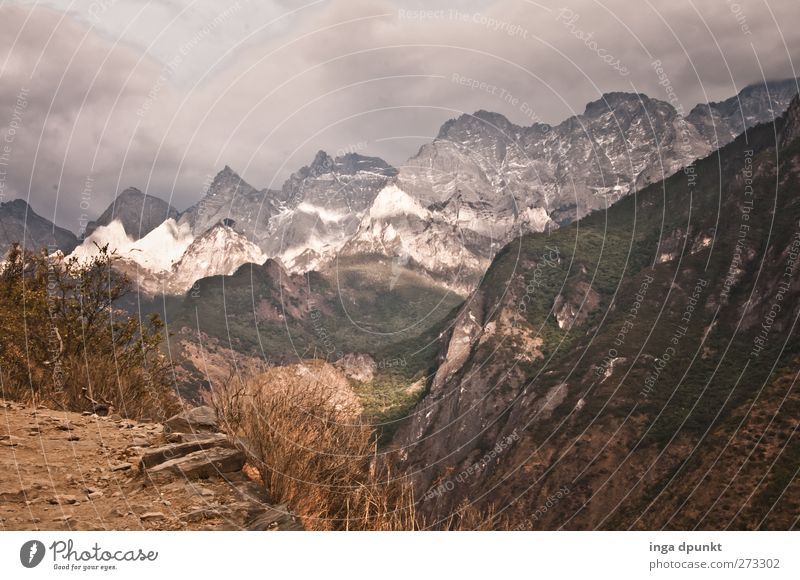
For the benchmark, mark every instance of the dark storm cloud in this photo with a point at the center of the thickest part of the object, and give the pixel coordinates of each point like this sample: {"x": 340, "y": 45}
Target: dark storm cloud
{"x": 262, "y": 93}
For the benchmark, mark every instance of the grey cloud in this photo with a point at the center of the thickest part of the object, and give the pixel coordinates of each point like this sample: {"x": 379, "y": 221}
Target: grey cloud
{"x": 350, "y": 75}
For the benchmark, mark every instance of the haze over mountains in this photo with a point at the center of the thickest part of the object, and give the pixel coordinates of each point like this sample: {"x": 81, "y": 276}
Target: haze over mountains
{"x": 452, "y": 206}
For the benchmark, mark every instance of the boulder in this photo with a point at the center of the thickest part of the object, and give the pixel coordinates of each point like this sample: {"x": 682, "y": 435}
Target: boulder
{"x": 197, "y": 419}
{"x": 199, "y": 465}
{"x": 153, "y": 457}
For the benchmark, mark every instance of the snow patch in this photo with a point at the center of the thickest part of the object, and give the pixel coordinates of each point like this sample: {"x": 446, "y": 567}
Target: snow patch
{"x": 157, "y": 251}
{"x": 325, "y": 214}
{"x": 393, "y": 201}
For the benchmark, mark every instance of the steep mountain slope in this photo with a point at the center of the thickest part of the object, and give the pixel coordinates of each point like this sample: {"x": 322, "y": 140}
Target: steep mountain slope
{"x": 636, "y": 369}
{"x": 387, "y": 316}
{"x": 721, "y": 122}
{"x": 19, "y": 223}
{"x": 138, "y": 213}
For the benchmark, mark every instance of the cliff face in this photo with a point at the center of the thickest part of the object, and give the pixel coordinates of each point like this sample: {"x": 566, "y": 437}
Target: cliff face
{"x": 635, "y": 369}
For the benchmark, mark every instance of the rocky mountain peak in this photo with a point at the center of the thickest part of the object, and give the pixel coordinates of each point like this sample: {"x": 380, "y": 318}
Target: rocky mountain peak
{"x": 616, "y": 101}
{"x": 720, "y": 122}
{"x": 140, "y": 213}
{"x": 480, "y": 121}
{"x": 16, "y": 208}
{"x": 19, "y": 223}
{"x": 229, "y": 181}
{"x": 352, "y": 163}
{"x": 323, "y": 163}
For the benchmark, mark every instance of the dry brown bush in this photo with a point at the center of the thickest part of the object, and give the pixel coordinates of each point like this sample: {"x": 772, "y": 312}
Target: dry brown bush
{"x": 313, "y": 453}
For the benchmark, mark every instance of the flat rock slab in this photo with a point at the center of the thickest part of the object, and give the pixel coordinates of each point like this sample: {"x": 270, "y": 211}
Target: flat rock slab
{"x": 196, "y": 419}
{"x": 153, "y": 457}
{"x": 200, "y": 464}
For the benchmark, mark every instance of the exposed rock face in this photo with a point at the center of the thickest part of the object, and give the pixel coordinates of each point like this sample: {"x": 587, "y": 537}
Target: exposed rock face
{"x": 482, "y": 182}
{"x": 501, "y": 173}
{"x": 230, "y": 200}
{"x": 604, "y": 369}
{"x": 139, "y": 213}
{"x": 791, "y": 128}
{"x": 322, "y": 205}
{"x": 348, "y": 183}
{"x": 19, "y": 223}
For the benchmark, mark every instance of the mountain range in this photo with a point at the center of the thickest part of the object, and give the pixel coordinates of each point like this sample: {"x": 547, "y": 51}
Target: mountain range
{"x": 445, "y": 212}
{"x": 510, "y": 305}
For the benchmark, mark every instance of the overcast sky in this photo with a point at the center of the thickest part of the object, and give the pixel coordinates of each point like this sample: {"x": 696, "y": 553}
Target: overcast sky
{"x": 99, "y": 95}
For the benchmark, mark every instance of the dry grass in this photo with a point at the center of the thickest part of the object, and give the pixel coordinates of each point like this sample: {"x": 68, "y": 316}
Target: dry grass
{"x": 312, "y": 452}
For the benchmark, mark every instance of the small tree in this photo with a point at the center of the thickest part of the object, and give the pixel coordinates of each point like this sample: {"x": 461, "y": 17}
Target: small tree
{"x": 63, "y": 340}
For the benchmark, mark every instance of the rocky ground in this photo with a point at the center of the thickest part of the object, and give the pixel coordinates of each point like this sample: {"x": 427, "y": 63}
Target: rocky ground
{"x": 67, "y": 471}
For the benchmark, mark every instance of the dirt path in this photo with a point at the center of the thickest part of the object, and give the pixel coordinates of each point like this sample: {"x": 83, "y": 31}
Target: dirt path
{"x": 66, "y": 471}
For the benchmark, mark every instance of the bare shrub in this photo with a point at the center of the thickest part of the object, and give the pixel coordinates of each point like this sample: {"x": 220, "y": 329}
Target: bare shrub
{"x": 313, "y": 453}
{"x": 63, "y": 342}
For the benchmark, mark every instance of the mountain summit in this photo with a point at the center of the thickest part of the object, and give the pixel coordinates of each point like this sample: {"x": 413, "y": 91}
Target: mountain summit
{"x": 139, "y": 213}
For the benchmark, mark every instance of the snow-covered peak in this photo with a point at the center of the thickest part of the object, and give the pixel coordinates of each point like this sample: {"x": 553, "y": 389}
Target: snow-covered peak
{"x": 219, "y": 251}
{"x": 157, "y": 251}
